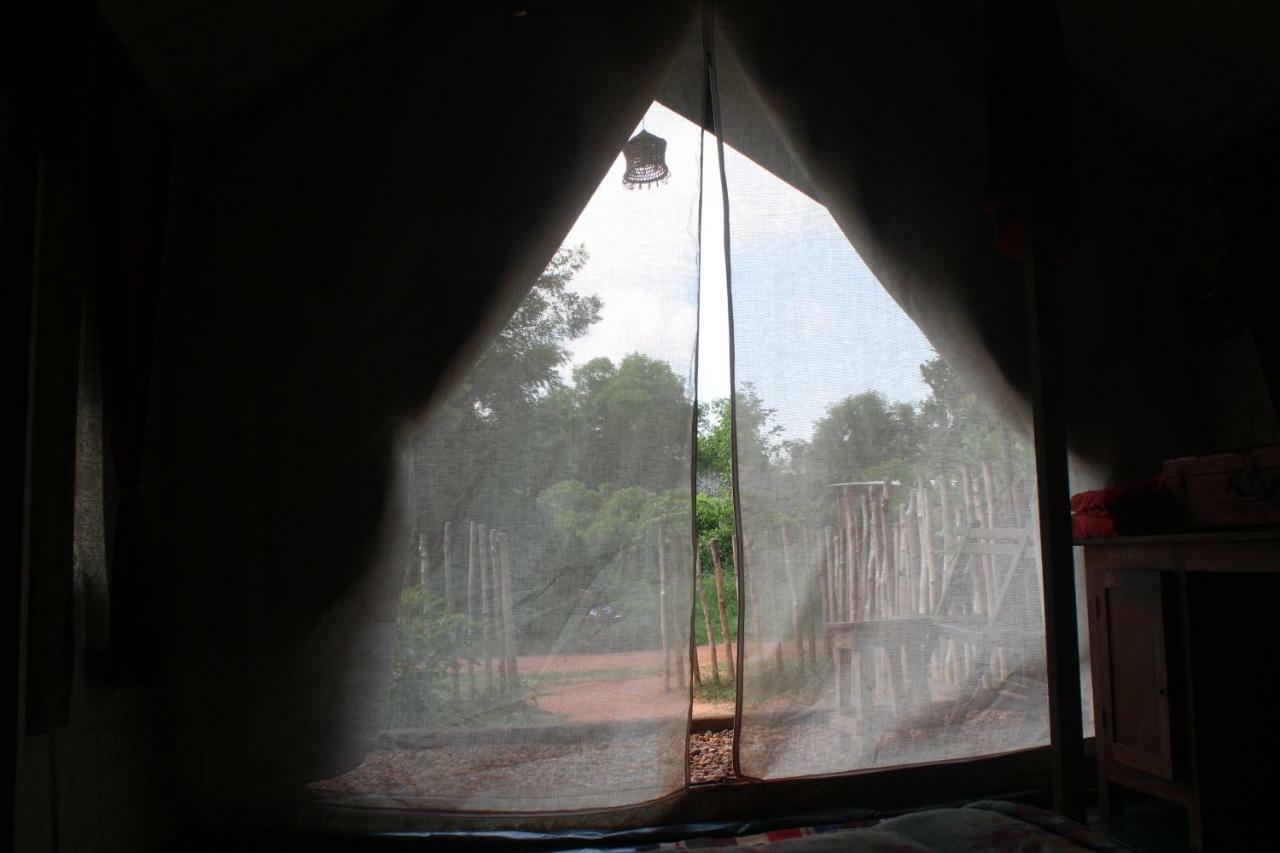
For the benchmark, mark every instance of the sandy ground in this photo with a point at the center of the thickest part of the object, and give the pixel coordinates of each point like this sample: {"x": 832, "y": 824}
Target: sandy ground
{"x": 632, "y": 687}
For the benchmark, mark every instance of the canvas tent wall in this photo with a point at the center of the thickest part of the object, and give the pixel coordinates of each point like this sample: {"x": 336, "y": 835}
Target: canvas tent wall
{"x": 276, "y": 154}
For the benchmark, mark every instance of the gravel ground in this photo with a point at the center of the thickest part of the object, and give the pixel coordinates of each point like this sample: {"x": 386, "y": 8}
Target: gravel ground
{"x": 518, "y": 776}
{"x": 496, "y": 776}
{"x": 711, "y": 757}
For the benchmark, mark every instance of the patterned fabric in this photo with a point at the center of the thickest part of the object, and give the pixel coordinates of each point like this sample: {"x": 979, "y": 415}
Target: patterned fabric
{"x": 982, "y": 826}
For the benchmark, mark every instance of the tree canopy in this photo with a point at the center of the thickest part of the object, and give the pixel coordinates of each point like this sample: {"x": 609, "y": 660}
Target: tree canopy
{"x": 592, "y": 461}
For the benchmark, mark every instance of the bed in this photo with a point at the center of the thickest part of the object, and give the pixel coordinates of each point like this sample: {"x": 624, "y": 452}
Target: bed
{"x": 987, "y": 825}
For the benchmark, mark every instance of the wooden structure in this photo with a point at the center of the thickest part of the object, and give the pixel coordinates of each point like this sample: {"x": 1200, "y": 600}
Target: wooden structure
{"x": 996, "y": 566}
{"x": 884, "y": 666}
{"x": 487, "y": 636}
{"x": 1185, "y": 678}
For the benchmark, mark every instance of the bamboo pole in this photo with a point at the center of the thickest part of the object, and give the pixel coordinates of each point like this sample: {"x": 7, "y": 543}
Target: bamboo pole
{"x": 944, "y": 510}
{"x": 824, "y": 587}
{"x": 471, "y": 606}
{"x": 674, "y": 625}
{"x": 444, "y": 569}
{"x": 711, "y": 633}
{"x": 867, "y": 558}
{"x": 778, "y": 661}
{"x": 842, "y": 595}
{"x": 967, "y": 484}
{"x": 981, "y": 574}
{"x": 695, "y": 662}
{"x": 662, "y": 615}
{"x": 841, "y": 588}
{"x": 486, "y": 614}
{"x": 830, "y": 575}
{"x": 850, "y": 582}
{"x": 988, "y": 488}
{"x": 753, "y": 597}
{"x": 508, "y": 616}
{"x": 779, "y": 622}
{"x": 902, "y": 602}
{"x": 812, "y": 603}
{"x": 454, "y": 667}
{"x": 930, "y": 597}
{"x": 991, "y": 521}
{"x": 796, "y": 626}
{"x": 724, "y": 608}
{"x": 1021, "y": 503}
{"x": 886, "y": 555}
{"x": 977, "y": 576}
{"x": 500, "y": 621}
{"x": 915, "y": 555}
{"x": 837, "y": 585}
{"x": 424, "y": 565}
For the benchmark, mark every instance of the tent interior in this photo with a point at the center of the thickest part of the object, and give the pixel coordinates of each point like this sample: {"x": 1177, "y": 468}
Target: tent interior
{"x": 261, "y": 260}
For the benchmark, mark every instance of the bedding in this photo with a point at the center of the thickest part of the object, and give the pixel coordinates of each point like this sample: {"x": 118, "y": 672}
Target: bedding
{"x": 981, "y": 826}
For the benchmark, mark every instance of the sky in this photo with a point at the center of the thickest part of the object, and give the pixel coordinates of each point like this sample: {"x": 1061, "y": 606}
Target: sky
{"x": 812, "y": 324}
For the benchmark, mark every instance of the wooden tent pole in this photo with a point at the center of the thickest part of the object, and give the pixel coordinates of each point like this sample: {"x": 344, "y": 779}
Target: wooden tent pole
{"x": 1066, "y": 733}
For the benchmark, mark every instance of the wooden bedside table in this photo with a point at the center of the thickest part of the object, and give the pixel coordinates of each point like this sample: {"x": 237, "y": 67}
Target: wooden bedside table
{"x": 1185, "y": 651}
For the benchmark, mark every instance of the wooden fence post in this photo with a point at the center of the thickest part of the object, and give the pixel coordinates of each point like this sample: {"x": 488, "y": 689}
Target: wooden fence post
{"x": 471, "y": 606}
{"x": 454, "y": 667}
{"x": 926, "y": 549}
{"x": 662, "y": 614}
{"x": 508, "y": 616}
{"x": 499, "y": 627}
{"x": 825, "y": 580}
{"x": 711, "y": 634}
{"x": 724, "y": 608}
{"x": 486, "y": 622}
{"x": 796, "y": 626}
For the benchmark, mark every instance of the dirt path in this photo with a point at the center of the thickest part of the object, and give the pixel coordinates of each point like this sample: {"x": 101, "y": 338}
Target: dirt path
{"x": 613, "y": 686}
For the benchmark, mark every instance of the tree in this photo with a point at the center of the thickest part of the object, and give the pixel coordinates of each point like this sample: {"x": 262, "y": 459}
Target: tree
{"x": 634, "y": 423}
{"x": 861, "y": 432}
{"x": 759, "y": 442}
{"x": 523, "y": 361}
{"x": 957, "y": 426}
{"x": 499, "y": 435}
{"x": 714, "y": 448}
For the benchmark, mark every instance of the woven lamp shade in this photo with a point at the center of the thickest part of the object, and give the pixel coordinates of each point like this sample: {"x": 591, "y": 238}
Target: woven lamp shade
{"x": 646, "y": 156}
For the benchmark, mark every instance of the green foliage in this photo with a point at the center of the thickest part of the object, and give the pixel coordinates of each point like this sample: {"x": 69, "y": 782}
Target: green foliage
{"x": 425, "y": 647}
{"x": 715, "y": 524}
{"x": 592, "y": 465}
{"x": 720, "y": 690}
{"x": 861, "y": 432}
{"x": 523, "y": 361}
{"x": 715, "y": 445}
{"x": 864, "y": 437}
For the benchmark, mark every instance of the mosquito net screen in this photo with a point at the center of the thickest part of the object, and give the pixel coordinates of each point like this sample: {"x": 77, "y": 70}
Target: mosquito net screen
{"x": 541, "y": 649}
{"x": 891, "y": 582}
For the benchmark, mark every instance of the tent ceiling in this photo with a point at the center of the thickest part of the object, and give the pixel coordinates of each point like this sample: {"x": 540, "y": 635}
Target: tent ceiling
{"x": 204, "y": 58}
{"x": 1187, "y": 81}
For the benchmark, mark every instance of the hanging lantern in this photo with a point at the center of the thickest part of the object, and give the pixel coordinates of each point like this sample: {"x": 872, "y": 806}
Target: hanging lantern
{"x": 646, "y": 161}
